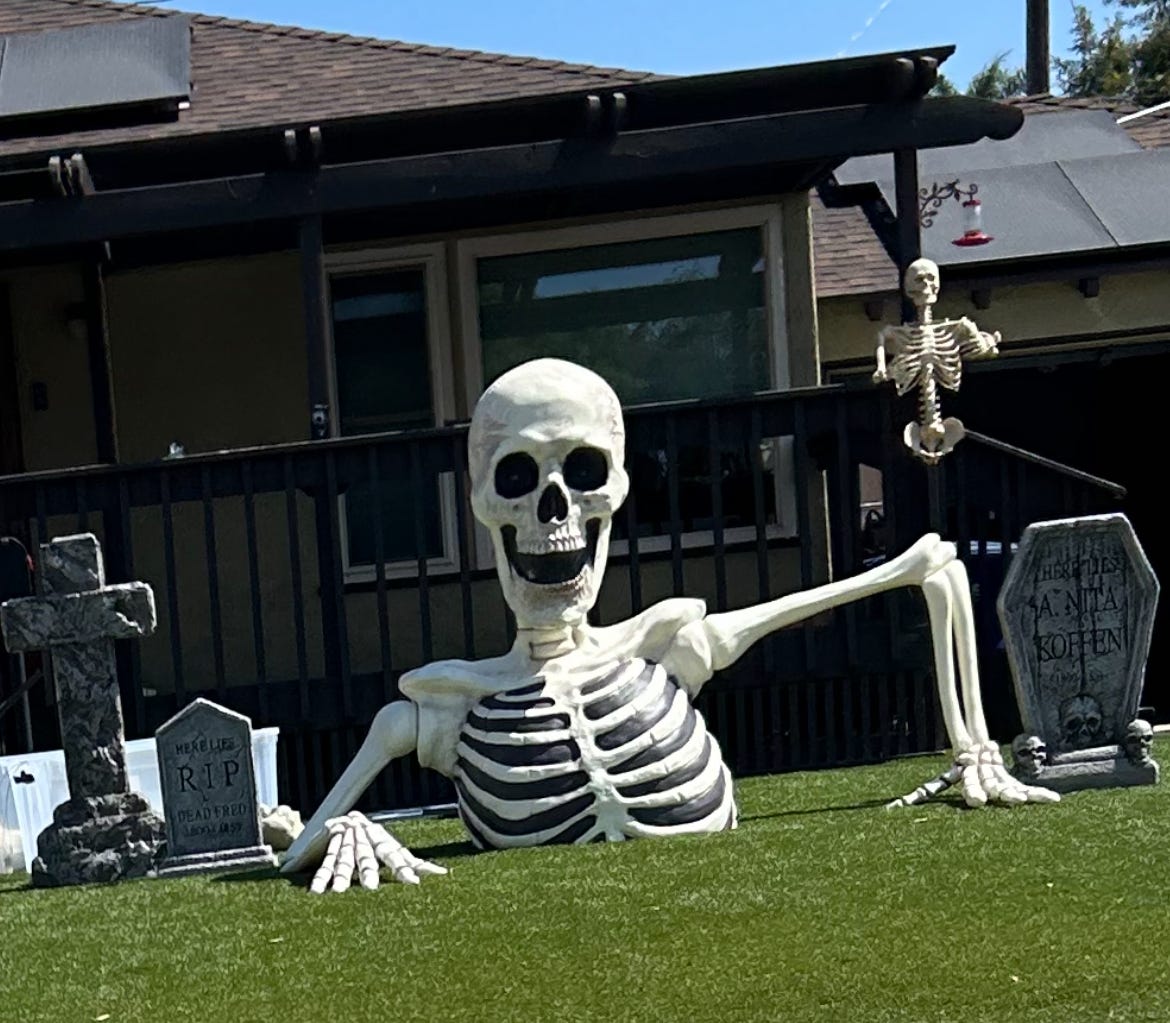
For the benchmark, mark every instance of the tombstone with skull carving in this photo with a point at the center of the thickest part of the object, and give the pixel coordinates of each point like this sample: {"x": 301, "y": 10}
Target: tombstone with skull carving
{"x": 583, "y": 733}
{"x": 1077, "y": 609}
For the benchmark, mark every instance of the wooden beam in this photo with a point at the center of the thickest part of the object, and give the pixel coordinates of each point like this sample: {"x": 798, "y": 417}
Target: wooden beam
{"x": 698, "y": 155}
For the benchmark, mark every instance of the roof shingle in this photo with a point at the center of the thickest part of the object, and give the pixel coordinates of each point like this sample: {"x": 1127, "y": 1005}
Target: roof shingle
{"x": 247, "y": 74}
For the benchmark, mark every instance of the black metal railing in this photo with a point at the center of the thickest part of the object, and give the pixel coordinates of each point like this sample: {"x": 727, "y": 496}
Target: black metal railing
{"x": 296, "y": 583}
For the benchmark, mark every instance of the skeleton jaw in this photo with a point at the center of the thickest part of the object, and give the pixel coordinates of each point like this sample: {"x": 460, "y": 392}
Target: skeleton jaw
{"x": 554, "y": 582}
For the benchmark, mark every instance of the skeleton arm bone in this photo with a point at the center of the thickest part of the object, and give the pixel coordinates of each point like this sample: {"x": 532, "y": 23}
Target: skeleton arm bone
{"x": 393, "y": 733}
{"x": 705, "y": 646}
{"x": 886, "y": 337}
{"x": 974, "y": 342}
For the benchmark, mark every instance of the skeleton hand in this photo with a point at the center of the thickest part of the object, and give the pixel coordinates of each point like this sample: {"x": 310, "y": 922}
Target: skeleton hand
{"x": 980, "y": 770}
{"x": 358, "y": 846}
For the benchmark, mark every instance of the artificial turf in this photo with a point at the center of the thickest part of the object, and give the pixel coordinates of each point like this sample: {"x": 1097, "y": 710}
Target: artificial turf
{"x": 822, "y": 906}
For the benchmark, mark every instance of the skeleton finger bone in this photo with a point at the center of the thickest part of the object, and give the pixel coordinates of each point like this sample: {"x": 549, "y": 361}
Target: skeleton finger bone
{"x": 325, "y": 872}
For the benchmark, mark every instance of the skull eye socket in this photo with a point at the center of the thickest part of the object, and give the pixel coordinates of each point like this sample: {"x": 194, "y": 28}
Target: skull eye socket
{"x": 586, "y": 469}
{"x": 516, "y": 475}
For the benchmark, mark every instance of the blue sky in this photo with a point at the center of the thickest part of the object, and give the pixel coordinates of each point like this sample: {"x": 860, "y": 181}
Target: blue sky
{"x": 677, "y": 36}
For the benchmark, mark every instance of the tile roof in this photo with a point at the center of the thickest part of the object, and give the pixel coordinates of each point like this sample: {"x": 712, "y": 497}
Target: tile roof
{"x": 848, "y": 257}
{"x": 248, "y": 75}
{"x": 851, "y": 260}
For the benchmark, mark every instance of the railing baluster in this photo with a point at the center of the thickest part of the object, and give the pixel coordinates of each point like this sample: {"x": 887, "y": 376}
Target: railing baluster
{"x": 755, "y": 453}
{"x": 298, "y": 594}
{"x": 134, "y": 659}
{"x": 848, "y": 522}
{"x": 82, "y": 498}
{"x": 339, "y": 611}
{"x": 802, "y": 469}
{"x": 459, "y": 452}
{"x": 213, "y": 597}
{"x": 254, "y": 585}
{"x": 634, "y": 566}
{"x": 420, "y": 549}
{"x": 174, "y": 625}
{"x": 715, "y": 470}
{"x": 672, "y": 471}
{"x": 380, "y": 575}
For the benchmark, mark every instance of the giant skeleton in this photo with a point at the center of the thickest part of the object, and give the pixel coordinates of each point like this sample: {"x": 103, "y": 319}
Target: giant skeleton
{"x": 583, "y": 733}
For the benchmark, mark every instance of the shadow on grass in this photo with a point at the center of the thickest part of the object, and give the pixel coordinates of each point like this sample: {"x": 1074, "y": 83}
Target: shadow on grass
{"x": 868, "y": 804}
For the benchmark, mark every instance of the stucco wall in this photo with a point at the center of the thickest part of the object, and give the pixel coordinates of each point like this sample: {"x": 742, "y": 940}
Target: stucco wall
{"x": 51, "y": 352}
{"x": 1045, "y": 312}
{"x": 211, "y": 354}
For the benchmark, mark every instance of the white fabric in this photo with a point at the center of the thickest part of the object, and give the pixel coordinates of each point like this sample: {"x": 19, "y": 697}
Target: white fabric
{"x": 27, "y": 809}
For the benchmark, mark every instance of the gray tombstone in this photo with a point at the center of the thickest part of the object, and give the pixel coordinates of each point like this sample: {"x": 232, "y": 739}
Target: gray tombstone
{"x": 1077, "y": 611}
{"x": 209, "y": 791}
{"x": 104, "y": 831}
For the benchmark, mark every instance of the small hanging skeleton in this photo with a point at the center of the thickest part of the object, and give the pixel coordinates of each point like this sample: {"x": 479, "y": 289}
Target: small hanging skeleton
{"x": 928, "y": 355}
{"x": 580, "y": 733}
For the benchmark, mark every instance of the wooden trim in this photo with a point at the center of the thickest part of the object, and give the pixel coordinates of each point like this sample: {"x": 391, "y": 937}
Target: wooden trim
{"x": 712, "y": 160}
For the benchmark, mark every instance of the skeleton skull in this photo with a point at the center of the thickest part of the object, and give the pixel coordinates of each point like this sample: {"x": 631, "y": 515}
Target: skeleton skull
{"x": 921, "y": 283}
{"x": 1080, "y": 721}
{"x": 545, "y": 452}
{"x": 1139, "y": 741}
{"x": 1030, "y": 755}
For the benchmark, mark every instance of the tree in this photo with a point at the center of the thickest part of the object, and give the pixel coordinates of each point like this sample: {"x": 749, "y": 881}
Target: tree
{"x": 994, "y": 81}
{"x": 1130, "y": 57}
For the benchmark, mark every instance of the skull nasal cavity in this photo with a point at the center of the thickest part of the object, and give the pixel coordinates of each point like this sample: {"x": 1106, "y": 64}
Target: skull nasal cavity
{"x": 552, "y": 507}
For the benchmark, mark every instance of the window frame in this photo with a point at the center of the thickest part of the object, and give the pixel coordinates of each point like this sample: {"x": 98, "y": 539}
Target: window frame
{"x": 765, "y": 217}
{"x": 431, "y": 258}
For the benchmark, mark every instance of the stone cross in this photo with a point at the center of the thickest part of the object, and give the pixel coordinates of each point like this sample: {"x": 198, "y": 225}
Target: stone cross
{"x": 77, "y": 620}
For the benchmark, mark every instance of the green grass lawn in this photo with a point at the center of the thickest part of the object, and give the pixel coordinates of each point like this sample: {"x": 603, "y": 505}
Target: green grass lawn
{"x": 822, "y": 906}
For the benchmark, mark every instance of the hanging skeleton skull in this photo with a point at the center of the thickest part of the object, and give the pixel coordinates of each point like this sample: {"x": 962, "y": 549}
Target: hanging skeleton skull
{"x": 579, "y": 733}
{"x": 1029, "y": 755}
{"x": 1080, "y": 722}
{"x": 1139, "y": 742}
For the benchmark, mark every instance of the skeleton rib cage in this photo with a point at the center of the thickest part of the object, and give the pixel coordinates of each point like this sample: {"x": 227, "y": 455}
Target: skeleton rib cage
{"x": 622, "y": 756}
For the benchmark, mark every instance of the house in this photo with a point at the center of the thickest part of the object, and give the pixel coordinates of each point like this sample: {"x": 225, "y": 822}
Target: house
{"x": 1076, "y": 279}
{"x": 253, "y": 288}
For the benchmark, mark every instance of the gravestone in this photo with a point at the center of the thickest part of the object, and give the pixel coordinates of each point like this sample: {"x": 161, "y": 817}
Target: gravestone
{"x": 209, "y": 791}
{"x": 1077, "y": 611}
{"x": 103, "y": 832}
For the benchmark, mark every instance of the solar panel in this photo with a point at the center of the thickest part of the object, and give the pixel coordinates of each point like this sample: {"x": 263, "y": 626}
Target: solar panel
{"x": 1129, "y": 196}
{"x": 141, "y": 64}
{"x": 1044, "y": 138}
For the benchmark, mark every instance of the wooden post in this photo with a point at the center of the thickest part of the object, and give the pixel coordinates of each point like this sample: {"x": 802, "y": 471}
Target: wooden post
{"x": 100, "y": 363}
{"x": 909, "y": 227}
{"x": 315, "y": 299}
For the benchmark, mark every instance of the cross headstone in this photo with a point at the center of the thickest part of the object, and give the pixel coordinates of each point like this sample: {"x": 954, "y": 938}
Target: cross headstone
{"x": 209, "y": 791}
{"x": 104, "y": 831}
{"x": 1077, "y": 610}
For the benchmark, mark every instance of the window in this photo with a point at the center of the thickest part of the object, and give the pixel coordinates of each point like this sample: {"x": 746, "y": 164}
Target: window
{"x": 664, "y": 309}
{"x": 389, "y": 374}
